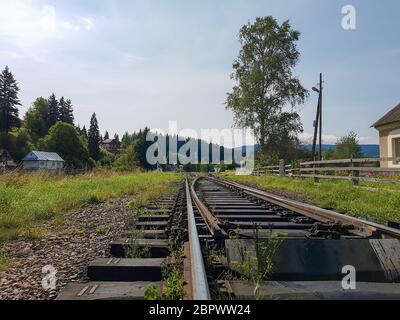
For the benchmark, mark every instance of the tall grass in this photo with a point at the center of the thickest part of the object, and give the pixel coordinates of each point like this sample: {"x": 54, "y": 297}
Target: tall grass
{"x": 29, "y": 200}
{"x": 380, "y": 205}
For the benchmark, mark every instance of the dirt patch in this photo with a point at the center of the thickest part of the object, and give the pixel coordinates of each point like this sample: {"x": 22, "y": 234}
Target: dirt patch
{"x": 90, "y": 231}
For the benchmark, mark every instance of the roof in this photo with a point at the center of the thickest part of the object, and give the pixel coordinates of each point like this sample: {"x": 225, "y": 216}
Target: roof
{"x": 4, "y": 151}
{"x": 42, "y": 156}
{"x": 108, "y": 141}
{"x": 390, "y": 117}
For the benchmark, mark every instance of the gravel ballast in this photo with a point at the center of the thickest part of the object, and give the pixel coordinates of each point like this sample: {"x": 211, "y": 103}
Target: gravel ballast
{"x": 90, "y": 231}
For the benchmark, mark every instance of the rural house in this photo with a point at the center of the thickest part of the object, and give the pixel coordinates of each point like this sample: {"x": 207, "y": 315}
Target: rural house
{"x": 389, "y": 137}
{"x": 110, "y": 145}
{"x": 38, "y": 160}
{"x": 6, "y": 161}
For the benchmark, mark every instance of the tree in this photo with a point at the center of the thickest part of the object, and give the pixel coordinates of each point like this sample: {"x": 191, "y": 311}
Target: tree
{"x": 94, "y": 138}
{"x": 64, "y": 139}
{"x": 66, "y": 113}
{"x": 84, "y": 132}
{"x": 106, "y": 136}
{"x": 265, "y": 84}
{"x": 128, "y": 159}
{"x": 54, "y": 112}
{"x": 348, "y": 146}
{"x": 36, "y": 119}
{"x": 8, "y": 101}
{"x": 116, "y": 137}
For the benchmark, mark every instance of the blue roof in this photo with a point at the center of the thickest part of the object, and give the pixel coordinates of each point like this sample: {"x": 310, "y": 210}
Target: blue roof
{"x": 42, "y": 156}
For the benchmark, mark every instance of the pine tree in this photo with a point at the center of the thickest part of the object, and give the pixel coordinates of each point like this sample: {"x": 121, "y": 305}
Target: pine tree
{"x": 69, "y": 112}
{"x": 61, "y": 110}
{"x": 84, "y": 132}
{"x": 106, "y": 136}
{"x": 94, "y": 138}
{"x": 66, "y": 113}
{"x": 116, "y": 137}
{"x": 54, "y": 112}
{"x": 8, "y": 101}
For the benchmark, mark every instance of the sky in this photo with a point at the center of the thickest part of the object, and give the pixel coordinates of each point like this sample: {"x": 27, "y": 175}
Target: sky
{"x": 145, "y": 63}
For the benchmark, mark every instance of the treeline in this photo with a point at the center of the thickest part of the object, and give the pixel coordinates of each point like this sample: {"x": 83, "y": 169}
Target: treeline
{"x": 48, "y": 125}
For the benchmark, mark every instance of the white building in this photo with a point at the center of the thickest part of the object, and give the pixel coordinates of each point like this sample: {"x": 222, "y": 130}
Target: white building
{"x": 389, "y": 137}
{"x": 38, "y": 160}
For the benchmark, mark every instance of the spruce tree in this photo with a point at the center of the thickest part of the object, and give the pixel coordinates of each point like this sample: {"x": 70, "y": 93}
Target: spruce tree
{"x": 69, "y": 112}
{"x": 61, "y": 110}
{"x": 66, "y": 111}
{"x": 84, "y": 132}
{"x": 8, "y": 101}
{"x": 94, "y": 138}
{"x": 54, "y": 113}
{"x": 106, "y": 136}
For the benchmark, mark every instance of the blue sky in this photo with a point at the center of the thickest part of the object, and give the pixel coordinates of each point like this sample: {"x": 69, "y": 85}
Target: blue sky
{"x": 138, "y": 63}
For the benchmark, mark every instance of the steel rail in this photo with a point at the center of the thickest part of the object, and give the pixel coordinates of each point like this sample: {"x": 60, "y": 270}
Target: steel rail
{"x": 314, "y": 212}
{"x": 199, "y": 277}
{"x": 212, "y": 222}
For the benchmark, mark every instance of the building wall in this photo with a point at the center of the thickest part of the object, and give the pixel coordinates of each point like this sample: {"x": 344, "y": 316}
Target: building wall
{"x": 386, "y": 145}
{"x": 31, "y": 165}
{"x": 43, "y": 165}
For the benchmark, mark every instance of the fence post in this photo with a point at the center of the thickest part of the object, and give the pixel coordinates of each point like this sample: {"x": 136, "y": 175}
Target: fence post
{"x": 315, "y": 172}
{"x": 282, "y": 169}
{"x": 354, "y": 173}
{"x": 299, "y": 173}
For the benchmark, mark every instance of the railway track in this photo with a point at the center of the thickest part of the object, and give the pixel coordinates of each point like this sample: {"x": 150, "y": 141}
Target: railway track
{"x": 243, "y": 243}
{"x": 274, "y": 248}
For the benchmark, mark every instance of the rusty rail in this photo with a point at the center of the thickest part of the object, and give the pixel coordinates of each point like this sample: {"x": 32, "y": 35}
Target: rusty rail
{"x": 212, "y": 222}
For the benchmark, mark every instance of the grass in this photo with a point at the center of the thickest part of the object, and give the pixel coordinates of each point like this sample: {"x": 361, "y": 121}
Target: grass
{"x": 30, "y": 201}
{"x": 380, "y": 205}
{"x": 172, "y": 281}
{"x": 3, "y": 257}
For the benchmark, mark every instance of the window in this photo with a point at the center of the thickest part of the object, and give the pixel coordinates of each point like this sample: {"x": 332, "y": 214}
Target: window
{"x": 396, "y": 153}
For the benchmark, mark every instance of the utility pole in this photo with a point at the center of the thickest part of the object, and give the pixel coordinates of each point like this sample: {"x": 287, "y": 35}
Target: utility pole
{"x": 318, "y": 122}
{"x": 320, "y": 116}
{"x": 316, "y": 126}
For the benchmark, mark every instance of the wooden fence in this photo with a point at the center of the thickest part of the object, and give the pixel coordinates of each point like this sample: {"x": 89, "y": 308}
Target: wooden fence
{"x": 355, "y": 170}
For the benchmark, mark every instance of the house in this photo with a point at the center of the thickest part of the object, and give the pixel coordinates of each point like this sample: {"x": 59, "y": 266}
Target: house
{"x": 39, "y": 160}
{"x": 389, "y": 137}
{"x": 6, "y": 161}
{"x": 110, "y": 145}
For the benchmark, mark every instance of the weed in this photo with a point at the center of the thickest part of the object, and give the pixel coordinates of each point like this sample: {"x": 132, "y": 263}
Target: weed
{"x": 102, "y": 230}
{"x": 256, "y": 265}
{"x": 173, "y": 282}
{"x": 153, "y": 293}
{"x": 135, "y": 250}
{"x": 3, "y": 257}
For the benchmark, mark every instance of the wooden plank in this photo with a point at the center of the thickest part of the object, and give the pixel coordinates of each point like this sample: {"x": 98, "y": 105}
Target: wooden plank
{"x": 360, "y": 160}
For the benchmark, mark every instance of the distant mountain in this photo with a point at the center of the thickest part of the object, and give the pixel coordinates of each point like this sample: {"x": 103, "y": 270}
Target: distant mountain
{"x": 368, "y": 150}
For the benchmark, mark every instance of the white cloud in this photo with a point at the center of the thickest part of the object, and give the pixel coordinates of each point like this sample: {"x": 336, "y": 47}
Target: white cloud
{"x": 26, "y": 24}
{"x": 307, "y": 138}
{"x": 133, "y": 58}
